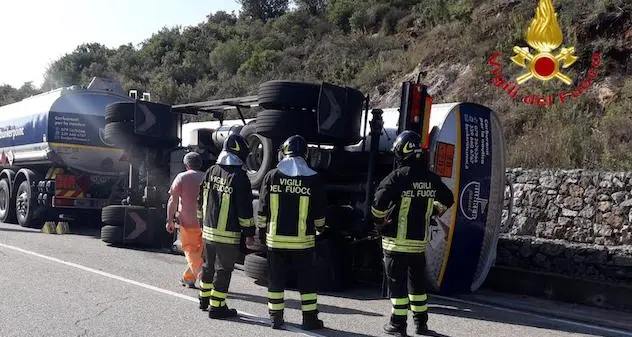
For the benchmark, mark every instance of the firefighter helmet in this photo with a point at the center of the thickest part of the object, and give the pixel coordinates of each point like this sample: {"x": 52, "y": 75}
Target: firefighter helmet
{"x": 237, "y": 145}
{"x": 406, "y": 145}
{"x": 295, "y": 146}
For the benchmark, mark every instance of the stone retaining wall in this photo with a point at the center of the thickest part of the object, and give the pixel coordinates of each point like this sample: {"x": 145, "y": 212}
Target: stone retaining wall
{"x": 573, "y": 222}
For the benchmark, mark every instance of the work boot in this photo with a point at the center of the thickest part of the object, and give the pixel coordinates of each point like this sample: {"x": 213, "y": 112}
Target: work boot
{"x": 276, "y": 319}
{"x": 221, "y": 312}
{"x": 421, "y": 326}
{"x": 204, "y": 302}
{"x": 391, "y": 329}
{"x": 396, "y": 326}
{"x": 311, "y": 321}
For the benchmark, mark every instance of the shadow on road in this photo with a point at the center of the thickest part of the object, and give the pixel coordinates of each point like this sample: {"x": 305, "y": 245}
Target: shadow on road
{"x": 322, "y": 332}
{"x": 295, "y": 304}
{"x": 448, "y": 308}
{"x": 19, "y": 229}
{"x": 75, "y": 229}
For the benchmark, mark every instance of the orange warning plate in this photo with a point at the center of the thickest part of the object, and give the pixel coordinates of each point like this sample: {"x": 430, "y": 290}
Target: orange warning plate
{"x": 444, "y": 160}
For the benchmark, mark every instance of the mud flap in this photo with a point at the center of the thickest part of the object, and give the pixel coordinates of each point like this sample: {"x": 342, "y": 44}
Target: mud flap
{"x": 467, "y": 151}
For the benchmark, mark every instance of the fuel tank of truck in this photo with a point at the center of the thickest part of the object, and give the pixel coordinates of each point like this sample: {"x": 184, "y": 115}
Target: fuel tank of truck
{"x": 62, "y": 127}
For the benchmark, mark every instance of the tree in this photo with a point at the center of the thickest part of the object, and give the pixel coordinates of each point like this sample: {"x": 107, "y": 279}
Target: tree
{"x": 78, "y": 67}
{"x": 314, "y": 7}
{"x": 264, "y": 9}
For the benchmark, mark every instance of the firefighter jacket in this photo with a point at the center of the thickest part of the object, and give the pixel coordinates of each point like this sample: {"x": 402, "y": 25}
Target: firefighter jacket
{"x": 227, "y": 204}
{"x": 291, "y": 208}
{"x": 408, "y": 196}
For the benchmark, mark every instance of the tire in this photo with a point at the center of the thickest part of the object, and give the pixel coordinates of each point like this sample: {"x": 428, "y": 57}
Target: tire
{"x": 113, "y": 215}
{"x": 281, "y": 124}
{"x": 120, "y": 134}
{"x": 26, "y": 207}
{"x": 262, "y": 157}
{"x": 7, "y": 209}
{"x": 120, "y": 112}
{"x": 256, "y": 266}
{"x": 288, "y": 95}
{"x": 112, "y": 234}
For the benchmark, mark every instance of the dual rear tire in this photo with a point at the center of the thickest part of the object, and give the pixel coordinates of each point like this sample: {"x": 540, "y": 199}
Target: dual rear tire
{"x": 20, "y": 207}
{"x": 134, "y": 226}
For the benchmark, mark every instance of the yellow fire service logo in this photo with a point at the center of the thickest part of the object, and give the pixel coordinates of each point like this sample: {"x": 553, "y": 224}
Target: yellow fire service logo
{"x": 544, "y": 35}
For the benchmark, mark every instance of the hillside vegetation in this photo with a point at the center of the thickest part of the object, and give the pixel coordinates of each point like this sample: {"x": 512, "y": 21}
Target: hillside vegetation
{"x": 374, "y": 45}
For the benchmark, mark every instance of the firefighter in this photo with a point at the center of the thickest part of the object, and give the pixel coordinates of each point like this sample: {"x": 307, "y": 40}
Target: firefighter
{"x": 228, "y": 214}
{"x": 291, "y": 211}
{"x": 404, "y": 203}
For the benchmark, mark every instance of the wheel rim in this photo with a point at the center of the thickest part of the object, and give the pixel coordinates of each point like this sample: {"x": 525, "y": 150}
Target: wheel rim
{"x": 255, "y": 157}
{"x": 4, "y": 201}
{"x": 22, "y": 205}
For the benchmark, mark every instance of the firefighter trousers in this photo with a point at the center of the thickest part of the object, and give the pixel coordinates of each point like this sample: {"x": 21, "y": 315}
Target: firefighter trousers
{"x": 217, "y": 271}
{"x": 405, "y": 274}
{"x": 279, "y": 263}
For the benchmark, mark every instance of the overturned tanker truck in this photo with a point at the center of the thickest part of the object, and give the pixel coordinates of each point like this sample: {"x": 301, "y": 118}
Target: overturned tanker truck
{"x": 350, "y": 147}
{"x": 55, "y": 164}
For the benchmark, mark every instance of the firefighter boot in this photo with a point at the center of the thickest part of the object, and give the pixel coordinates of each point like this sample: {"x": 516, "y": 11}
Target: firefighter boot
{"x": 396, "y": 326}
{"x": 204, "y": 302}
{"x": 421, "y": 326}
{"x": 221, "y": 312}
{"x": 276, "y": 319}
{"x": 311, "y": 321}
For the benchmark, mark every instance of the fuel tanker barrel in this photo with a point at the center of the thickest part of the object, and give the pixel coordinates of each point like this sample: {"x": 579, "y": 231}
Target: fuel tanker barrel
{"x": 467, "y": 152}
{"x": 62, "y": 127}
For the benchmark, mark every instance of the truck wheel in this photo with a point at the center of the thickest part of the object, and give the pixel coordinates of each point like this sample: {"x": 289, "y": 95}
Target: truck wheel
{"x": 119, "y": 134}
{"x": 7, "y": 211}
{"x": 288, "y": 95}
{"x": 26, "y": 207}
{"x": 120, "y": 112}
{"x": 113, "y": 215}
{"x": 256, "y": 267}
{"x": 112, "y": 234}
{"x": 262, "y": 157}
{"x": 281, "y": 124}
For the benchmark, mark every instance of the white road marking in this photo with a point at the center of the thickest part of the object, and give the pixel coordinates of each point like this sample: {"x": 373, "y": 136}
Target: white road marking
{"x": 150, "y": 287}
{"x": 293, "y": 328}
{"x": 553, "y": 319}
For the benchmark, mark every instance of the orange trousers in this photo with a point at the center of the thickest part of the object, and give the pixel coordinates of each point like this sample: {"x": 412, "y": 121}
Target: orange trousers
{"x": 193, "y": 248}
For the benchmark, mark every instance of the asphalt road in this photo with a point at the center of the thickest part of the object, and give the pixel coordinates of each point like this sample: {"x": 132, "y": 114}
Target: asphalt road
{"x": 75, "y": 285}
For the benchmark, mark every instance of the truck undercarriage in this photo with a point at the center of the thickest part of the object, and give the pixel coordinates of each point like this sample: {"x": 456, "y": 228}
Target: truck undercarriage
{"x": 348, "y": 145}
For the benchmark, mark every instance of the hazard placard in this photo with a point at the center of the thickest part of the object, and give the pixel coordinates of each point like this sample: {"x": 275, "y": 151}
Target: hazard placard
{"x": 444, "y": 160}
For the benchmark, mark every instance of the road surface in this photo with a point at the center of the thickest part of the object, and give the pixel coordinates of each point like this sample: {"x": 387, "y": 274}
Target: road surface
{"x": 75, "y": 285}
